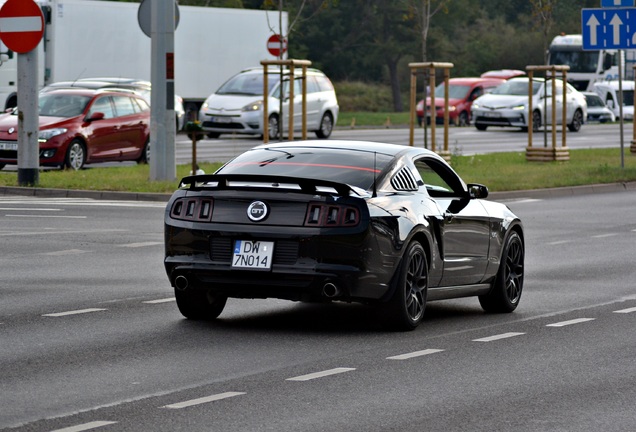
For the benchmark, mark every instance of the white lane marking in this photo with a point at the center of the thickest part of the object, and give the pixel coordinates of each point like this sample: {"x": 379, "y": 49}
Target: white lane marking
{"x": 522, "y": 200}
{"x": 605, "y": 235}
{"x": 625, "y": 311}
{"x": 46, "y": 216}
{"x": 84, "y": 202}
{"x": 75, "y": 312}
{"x": 29, "y": 209}
{"x": 320, "y": 374}
{"x": 65, "y": 252}
{"x": 58, "y": 232}
{"x": 85, "y": 426}
{"x": 559, "y": 242}
{"x": 414, "y": 354}
{"x": 166, "y": 300}
{"x": 141, "y": 244}
{"x": 498, "y": 337}
{"x": 203, "y": 400}
{"x": 570, "y": 322}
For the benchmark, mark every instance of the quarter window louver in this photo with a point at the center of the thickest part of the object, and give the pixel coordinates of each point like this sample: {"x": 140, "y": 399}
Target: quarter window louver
{"x": 403, "y": 180}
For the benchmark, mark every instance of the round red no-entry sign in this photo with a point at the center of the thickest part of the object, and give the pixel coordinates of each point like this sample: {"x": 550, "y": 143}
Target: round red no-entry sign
{"x": 273, "y": 45}
{"x": 21, "y": 25}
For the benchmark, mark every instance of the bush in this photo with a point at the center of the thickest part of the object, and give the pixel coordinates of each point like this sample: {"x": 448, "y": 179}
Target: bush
{"x": 356, "y": 96}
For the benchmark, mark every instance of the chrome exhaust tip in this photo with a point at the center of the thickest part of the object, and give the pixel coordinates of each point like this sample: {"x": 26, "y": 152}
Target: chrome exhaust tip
{"x": 181, "y": 283}
{"x": 330, "y": 290}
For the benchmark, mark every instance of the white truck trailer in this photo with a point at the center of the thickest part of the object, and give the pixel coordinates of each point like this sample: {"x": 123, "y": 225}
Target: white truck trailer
{"x": 87, "y": 38}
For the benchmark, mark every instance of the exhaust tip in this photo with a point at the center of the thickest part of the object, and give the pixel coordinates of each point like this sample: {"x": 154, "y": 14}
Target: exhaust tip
{"x": 330, "y": 290}
{"x": 181, "y": 283}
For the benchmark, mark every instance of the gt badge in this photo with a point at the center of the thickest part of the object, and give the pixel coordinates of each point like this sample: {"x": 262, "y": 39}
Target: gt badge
{"x": 257, "y": 211}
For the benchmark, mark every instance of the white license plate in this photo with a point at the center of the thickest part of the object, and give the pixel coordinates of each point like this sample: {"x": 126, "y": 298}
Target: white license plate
{"x": 492, "y": 114}
{"x": 8, "y": 146}
{"x": 222, "y": 119}
{"x": 253, "y": 254}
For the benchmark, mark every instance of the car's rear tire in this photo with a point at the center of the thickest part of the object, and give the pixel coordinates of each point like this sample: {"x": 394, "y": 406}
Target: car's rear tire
{"x": 75, "y": 155}
{"x": 506, "y": 289}
{"x": 406, "y": 308}
{"x": 577, "y": 121}
{"x": 2, "y": 165}
{"x": 326, "y": 126}
{"x": 199, "y": 305}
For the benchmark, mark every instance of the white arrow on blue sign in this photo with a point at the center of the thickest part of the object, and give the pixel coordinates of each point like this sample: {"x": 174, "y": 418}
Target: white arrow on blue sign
{"x": 617, "y": 3}
{"x": 610, "y": 28}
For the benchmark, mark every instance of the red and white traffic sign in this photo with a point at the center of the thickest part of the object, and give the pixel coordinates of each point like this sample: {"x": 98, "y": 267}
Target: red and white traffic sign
{"x": 21, "y": 25}
{"x": 273, "y": 45}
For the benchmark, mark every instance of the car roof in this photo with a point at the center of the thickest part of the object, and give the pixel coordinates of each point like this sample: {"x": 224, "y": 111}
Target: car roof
{"x": 91, "y": 92}
{"x": 118, "y": 80}
{"x": 475, "y": 80}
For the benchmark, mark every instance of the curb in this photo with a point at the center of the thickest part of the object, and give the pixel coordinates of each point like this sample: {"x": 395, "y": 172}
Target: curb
{"x": 164, "y": 197}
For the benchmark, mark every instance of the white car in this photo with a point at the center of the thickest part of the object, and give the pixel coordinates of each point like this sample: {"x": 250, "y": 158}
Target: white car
{"x": 597, "y": 110}
{"x": 237, "y": 106}
{"x": 507, "y": 105}
{"x": 609, "y": 92}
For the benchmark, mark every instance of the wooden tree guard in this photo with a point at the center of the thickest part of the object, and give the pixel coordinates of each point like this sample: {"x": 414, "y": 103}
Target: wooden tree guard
{"x": 430, "y": 66}
{"x": 554, "y": 153}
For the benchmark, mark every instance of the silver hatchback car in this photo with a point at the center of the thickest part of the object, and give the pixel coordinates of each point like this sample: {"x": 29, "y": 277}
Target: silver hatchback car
{"x": 237, "y": 106}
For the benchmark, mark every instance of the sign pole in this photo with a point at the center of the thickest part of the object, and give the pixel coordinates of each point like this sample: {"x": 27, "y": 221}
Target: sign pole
{"x": 28, "y": 120}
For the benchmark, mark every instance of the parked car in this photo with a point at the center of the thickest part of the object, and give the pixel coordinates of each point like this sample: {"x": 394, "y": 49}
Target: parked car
{"x": 503, "y": 73}
{"x": 597, "y": 110}
{"x": 236, "y": 107}
{"x": 609, "y": 92}
{"x": 141, "y": 86}
{"x": 461, "y": 94}
{"x": 349, "y": 221}
{"x": 81, "y": 126}
{"x": 507, "y": 105}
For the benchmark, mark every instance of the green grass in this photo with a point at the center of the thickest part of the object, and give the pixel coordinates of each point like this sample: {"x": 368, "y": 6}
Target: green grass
{"x": 372, "y": 118}
{"x": 498, "y": 171}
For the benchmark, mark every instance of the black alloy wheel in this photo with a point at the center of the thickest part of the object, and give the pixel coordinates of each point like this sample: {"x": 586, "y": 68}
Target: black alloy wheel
{"x": 406, "y": 307}
{"x": 506, "y": 291}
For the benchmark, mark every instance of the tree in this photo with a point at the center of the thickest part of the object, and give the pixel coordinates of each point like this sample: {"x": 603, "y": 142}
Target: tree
{"x": 542, "y": 11}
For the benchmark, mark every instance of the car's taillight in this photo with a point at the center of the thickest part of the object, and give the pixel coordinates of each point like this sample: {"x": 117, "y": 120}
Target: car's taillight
{"x": 330, "y": 215}
{"x": 194, "y": 209}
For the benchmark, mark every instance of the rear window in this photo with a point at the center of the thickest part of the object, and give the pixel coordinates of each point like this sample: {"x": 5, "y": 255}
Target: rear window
{"x": 352, "y": 167}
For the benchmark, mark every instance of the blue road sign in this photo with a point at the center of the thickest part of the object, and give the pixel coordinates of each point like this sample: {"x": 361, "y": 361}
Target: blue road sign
{"x": 617, "y": 3}
{"x": 609, "y": 28}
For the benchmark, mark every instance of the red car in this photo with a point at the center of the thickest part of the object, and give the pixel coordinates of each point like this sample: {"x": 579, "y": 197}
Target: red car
{"x": 461, "y": 94}
{"x": 83, "y": 126}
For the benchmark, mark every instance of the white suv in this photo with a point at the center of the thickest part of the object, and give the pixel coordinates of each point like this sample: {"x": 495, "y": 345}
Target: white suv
{"x": 507, "y": 105}
{"x": 237, "y": 106}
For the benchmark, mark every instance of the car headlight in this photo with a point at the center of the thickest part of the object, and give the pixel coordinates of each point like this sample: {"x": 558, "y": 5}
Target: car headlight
{"x": 475, "y": 105}
{"x": 254, "y": 106}
{"x": 47, "y": 134}
{"x": 519, "y": 107}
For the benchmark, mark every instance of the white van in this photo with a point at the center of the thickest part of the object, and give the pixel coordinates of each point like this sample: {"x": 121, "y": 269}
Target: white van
{"x": 608, "y": 91}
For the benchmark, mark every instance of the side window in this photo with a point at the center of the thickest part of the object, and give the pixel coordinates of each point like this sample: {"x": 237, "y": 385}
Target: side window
{"x": 103, "y": 105}
{"x": 312, "y": 85}
{"x": 141, "y": 105}
{"x": 324, "y": 83}
{"x": 438, "y": 179}
{"x": 123, "y": 105}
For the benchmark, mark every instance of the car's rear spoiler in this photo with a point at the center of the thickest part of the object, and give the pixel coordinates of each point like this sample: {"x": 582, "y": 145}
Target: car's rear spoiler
{"x": 222, "y": 181}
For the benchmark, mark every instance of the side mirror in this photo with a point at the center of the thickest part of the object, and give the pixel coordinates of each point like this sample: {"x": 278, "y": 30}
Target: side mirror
{"x": 95, "y": 116}
{"x": 477, "y": 191}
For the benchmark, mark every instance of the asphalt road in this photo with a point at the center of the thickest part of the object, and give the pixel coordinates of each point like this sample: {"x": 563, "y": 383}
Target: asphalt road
{"x": 90, "y": 337}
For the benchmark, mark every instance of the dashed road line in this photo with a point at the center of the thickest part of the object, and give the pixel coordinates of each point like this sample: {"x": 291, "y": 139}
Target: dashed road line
{"x": 85, "y": 426}
{"x": 498, "y": 337}
{"x": 75, "y": 312}
{"x": 203, "y": 400}
{"x": 166, "y": 300}
{"x": 626, "y": 311}
{"x": 570, "y": 322}
{"x": 605, "y": 235}
{"x": 560, "y": 242}
{"x": 414, "y": 354}
{"x": 65, "y": 252}
{"x": 321, "y": 374}
{"x": 45, "y": 216}
{"x": 140, "y": 244}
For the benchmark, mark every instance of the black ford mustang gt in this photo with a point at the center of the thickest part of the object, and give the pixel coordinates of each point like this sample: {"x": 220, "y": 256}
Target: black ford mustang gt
{"x": 344, "y": 220}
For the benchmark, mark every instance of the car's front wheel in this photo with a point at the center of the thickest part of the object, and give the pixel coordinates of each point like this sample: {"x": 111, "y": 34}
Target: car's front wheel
{"x": 481, "y": 127}
{"x": 506, "y": 290}
{"x": 145, "y": 154}
{"x": 536, "y": 121}
{"x": 406, "y": 307}
{"x": 273, "y": 126}
{"x": 199, "y": 305}
{"x": 463, "y": 119}
{"x": 326, "y": 126}
{"x": 75, "y": 155}
{"x": 577, "y": 121}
